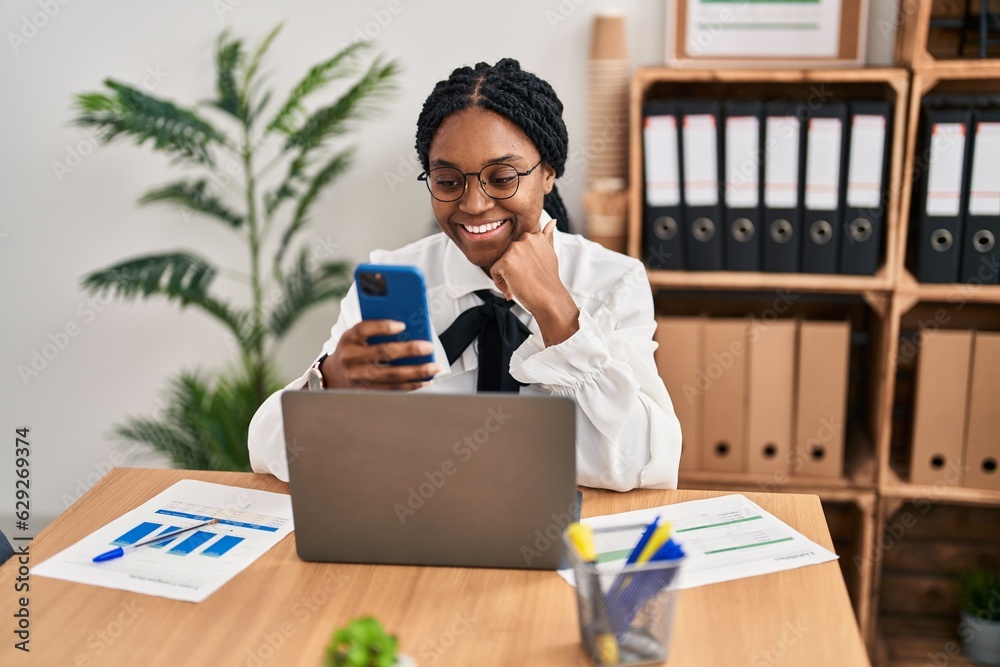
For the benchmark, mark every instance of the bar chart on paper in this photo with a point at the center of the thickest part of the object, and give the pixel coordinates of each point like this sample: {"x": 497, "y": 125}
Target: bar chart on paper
{"x": 189, "y": 566}
{"x": 188, "y": 543}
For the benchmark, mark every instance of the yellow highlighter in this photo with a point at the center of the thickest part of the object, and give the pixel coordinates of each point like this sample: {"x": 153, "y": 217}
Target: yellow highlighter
{"x": 658, "y": 539}
{"x": 582, "y": 537}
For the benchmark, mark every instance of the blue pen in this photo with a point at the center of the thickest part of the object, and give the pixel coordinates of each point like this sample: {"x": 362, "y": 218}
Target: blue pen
{"x": 669, "y": 551}
{"x": 118, "y": 552}
{"x": 643, "y": 541}
{"x": 647, "y": 534}
{"x": 647, "y": 584}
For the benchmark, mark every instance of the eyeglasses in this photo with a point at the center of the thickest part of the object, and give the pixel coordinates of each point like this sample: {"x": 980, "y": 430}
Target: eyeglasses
{"x": 499, "y": 181}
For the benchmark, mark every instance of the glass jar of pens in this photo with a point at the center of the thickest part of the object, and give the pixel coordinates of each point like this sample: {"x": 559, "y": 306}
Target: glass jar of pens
{"x": 625, "y": 587}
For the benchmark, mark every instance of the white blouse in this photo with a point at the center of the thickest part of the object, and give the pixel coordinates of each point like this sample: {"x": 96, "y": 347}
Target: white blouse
{"x": 627, "y": 434}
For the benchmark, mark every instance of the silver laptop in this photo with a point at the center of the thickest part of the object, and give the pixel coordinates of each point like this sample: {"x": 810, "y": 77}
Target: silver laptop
{"x": 484, "y": 480}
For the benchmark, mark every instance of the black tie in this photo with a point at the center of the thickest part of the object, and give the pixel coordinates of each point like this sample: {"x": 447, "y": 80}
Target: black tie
{"x": 499, "y": 332}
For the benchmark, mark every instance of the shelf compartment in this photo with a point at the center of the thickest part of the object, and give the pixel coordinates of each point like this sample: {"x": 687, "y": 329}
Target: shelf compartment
{"x": 912, "y": 320}
{"x": 867, "y": 321}
{"x": 920, "y": 44}
{"x": 945, "y": 79}
{"x": 919, "y": 549}
{"x": 890, "y": 84}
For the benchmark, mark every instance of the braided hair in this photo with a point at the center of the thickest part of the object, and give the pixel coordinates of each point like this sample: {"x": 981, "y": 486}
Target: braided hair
{"x": 523, "y": 98}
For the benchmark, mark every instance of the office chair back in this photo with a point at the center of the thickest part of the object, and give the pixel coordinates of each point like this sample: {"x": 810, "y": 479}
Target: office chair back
{"x": 6, "y": 551}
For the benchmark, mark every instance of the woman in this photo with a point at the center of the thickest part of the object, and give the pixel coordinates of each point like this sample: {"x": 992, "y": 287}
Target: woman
{"x": 574, "y": 319}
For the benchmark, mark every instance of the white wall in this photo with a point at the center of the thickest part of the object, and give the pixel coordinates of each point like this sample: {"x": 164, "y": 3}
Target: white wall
{"x": 55, "y": 227}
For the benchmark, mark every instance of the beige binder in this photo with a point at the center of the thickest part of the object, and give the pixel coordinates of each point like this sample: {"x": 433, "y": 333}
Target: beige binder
{"x": 678, "y": 359}
{"x": 982, "y": 441}
{"x": 821, "y": 406}
{"x": 770, "y": 396}
{"x": 939, "y": 412}
{"x": 724, "y": 366}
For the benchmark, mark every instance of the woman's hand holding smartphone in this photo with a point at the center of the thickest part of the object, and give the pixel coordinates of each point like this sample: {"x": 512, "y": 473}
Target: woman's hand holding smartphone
{"x": 390, "y": 348}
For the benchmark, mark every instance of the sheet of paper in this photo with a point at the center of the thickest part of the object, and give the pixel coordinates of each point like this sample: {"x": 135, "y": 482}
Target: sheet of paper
{"x": 725, "y": 538}
{"x": 191, "y": 566}
{"x": 790, "y": 28}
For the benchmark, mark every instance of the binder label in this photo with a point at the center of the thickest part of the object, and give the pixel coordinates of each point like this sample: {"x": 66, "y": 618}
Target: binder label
{"x": 944, "y": 175}
{"x": 865, "y": 164}
{"x": 984, "y": 189}
{"x": 663, "y": 187}
{"x": 742, "y": 161}
{"x": 781, "y": 165}
{"x": 701, "y": 169}
{"x": 823, "y": 164}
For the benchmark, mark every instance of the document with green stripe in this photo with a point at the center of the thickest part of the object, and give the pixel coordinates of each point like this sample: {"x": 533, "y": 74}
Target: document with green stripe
{"x": 725, "y": 538}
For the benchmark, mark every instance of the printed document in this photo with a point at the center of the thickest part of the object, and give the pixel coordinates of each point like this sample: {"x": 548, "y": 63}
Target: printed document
{"x": 190, "y": 566}
{"x": 724, "y": 538}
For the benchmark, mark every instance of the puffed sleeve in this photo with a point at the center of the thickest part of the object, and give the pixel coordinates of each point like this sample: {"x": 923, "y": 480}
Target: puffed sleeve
{"x": 627, "y": 433}
{"x": 266, "y": 436}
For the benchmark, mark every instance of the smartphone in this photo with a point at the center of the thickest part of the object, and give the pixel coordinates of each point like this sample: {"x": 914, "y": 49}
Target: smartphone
{"x": 395, "y": 292}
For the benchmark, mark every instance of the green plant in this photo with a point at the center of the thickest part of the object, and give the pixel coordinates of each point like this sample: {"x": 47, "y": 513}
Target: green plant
{"x": 204, "y": 424}
{"x": 979, "y": 592}
{"x": 361, "y": 643}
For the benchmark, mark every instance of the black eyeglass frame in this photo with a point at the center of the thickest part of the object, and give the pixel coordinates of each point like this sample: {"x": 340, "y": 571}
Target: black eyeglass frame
{"x": 425, "y": 177}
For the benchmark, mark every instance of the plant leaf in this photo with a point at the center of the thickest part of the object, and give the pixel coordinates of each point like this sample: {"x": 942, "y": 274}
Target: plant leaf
{"x": 179, "y": 276}
{"x": 228, "y": 57}
{"x": 193, "y": 196}
{"x": 337, "y": 165}
{"x": 258, "y": 56}
{"x": 326, "y": 122}
{"x": 256, "y": 111}
{"x": 204, "y": 425}
{"x": 334, "y": 119}
{"x": 340, "y": 65}
{"x": 303, "y": 288}
{"x": 132, "y": 113}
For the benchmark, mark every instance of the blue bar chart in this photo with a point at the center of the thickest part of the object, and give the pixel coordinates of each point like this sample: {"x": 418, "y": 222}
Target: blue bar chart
{"x": 188, "y": 544}
{"x": 168, "y": 529}
{"x": 139, "y": 532}
{"x": 221, "y": 546}
{"x": 191, "y": 543}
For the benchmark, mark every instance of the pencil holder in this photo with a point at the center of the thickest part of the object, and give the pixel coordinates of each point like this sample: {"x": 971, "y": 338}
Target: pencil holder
{"x": 626, "y": 611}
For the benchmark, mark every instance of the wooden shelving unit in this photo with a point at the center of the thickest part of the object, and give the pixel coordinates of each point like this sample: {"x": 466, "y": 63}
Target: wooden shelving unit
{"x": 875, "y": 485}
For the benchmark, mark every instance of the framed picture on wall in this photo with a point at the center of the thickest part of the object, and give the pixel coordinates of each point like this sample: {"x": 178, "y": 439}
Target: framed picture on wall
{"x": 766, "y": 33}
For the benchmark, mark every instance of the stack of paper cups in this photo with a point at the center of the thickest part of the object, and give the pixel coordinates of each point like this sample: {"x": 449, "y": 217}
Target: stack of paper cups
{"x": 606, "y": 205}
{"x": 608, "y": 132}
{"x": 609, "y": 78}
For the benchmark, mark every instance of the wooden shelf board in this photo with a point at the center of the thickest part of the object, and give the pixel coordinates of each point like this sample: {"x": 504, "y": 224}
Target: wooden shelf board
{"x": 972, "y": 68}
{"x": 753, "y": 280}
{"x": 950, "y": 292}
{"x": 855, "y": 495}
{"x": 894, "y": 486}
{"x": 830, "y": 75}
{"x": 951, "y": 494}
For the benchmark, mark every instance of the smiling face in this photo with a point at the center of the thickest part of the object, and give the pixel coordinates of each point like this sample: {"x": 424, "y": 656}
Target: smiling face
{"x": 483, "y": 228}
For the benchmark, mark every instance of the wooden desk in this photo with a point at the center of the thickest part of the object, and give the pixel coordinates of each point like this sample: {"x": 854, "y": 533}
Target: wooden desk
{"x": 281, "y": 611}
